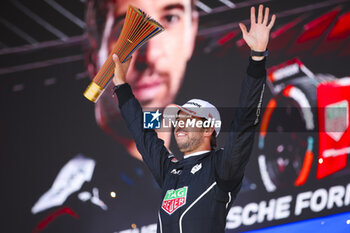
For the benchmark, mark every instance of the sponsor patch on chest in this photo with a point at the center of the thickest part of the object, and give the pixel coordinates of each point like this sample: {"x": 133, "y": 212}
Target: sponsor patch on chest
{"x": 174, "y": 199}
{"x": 196, "y": 168}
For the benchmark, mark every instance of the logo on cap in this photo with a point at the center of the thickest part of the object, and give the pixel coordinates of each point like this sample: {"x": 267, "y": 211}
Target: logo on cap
{"x": 195, "y": 104}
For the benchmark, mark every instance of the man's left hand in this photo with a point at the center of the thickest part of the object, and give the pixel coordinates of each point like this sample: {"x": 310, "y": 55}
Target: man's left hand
{"x": 258, "y": 36}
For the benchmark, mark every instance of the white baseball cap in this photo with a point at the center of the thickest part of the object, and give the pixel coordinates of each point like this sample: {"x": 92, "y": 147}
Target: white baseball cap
{"x": 194, "y": 107}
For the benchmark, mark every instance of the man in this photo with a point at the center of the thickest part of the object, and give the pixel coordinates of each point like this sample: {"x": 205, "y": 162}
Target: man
{"x": 156, "y": 72}
{"x": 198, "y": 190}
{"x": 157, "y": 69}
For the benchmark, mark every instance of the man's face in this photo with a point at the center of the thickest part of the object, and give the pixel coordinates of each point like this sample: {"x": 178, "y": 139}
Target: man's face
{"x": 157, "y": 69}
{"x": 188, "y": 138}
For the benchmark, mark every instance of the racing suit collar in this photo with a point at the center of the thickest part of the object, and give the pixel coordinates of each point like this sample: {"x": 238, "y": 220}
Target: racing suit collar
{"x": 196, "y": 153}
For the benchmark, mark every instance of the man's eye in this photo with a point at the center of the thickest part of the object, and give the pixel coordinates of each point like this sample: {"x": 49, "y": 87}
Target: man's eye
{"x": 170, "y": 19}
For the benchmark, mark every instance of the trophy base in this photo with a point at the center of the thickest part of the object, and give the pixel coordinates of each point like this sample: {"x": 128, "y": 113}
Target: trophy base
{"x": 93, "y": 92}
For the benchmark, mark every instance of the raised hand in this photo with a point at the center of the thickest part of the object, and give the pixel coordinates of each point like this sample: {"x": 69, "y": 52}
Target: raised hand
{"x": 258, "y": 36}
{"x": 120, "y": 70}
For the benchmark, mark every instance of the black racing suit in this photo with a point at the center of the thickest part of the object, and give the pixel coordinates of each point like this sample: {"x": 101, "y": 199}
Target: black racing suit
{"x": 197, "y": 192}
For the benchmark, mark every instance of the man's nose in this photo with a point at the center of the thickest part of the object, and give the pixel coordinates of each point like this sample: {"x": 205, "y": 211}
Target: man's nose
{"x": 154, "y": 48}
{"x": 148, "y": 55}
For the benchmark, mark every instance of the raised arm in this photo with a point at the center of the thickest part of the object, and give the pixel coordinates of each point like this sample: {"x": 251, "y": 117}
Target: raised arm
{"x": 152, "y": 149}
{"x": 230, "y": 164}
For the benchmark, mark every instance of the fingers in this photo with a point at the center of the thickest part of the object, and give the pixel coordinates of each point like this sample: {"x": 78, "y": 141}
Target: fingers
{"x": 260, "y": 14}
{"x": 126, "y": 65}
{"x": 273, "y": 18}
{"x": 116, "y": 60}
{"x": 262, "y": 18}
{"x": 266, "y": 15}
{"x": 121, "y": 66}
{"x": 243, "y": 28}
{"x": 252, "y": 15}
{"x": 120, "y": 70}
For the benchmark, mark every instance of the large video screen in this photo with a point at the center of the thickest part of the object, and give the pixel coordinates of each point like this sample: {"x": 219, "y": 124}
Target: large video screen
{"x": 70, "y": 165}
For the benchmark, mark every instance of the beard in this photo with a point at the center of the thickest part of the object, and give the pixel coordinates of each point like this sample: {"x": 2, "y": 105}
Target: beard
{"x": 191, "y": 144}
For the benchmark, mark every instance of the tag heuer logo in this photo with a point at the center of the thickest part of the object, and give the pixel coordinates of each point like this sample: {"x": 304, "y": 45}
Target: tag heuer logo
{"x": 336, "y": 119}
{"x": 174, "y": 199}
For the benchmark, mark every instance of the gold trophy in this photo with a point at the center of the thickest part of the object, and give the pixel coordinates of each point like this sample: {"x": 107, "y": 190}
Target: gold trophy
{"x": 138, "y": 28}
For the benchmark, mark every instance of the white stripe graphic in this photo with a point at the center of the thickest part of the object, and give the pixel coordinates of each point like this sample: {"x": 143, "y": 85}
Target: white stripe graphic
{"x": 258, "y": 110}
{"x": 204, "y": 7}
{"x": 160, "y": 223}
{"x": 229, "y": 199}
{"x": 39, "y": 20}
{"x": 66, "y": 13}
{"x": 228, "y": 3}
{"x": 193, "y": 203}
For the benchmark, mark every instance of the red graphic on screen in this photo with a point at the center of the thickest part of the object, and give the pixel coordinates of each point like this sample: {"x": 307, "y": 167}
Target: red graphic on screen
{"x": 333, "y": 100}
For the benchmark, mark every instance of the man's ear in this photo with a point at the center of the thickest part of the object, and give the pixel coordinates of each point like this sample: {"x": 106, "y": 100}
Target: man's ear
{"x": 208, "y": 132}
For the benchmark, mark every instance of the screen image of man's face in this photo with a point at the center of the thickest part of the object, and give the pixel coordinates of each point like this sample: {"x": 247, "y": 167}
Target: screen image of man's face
{"x": 157, "y": 69}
